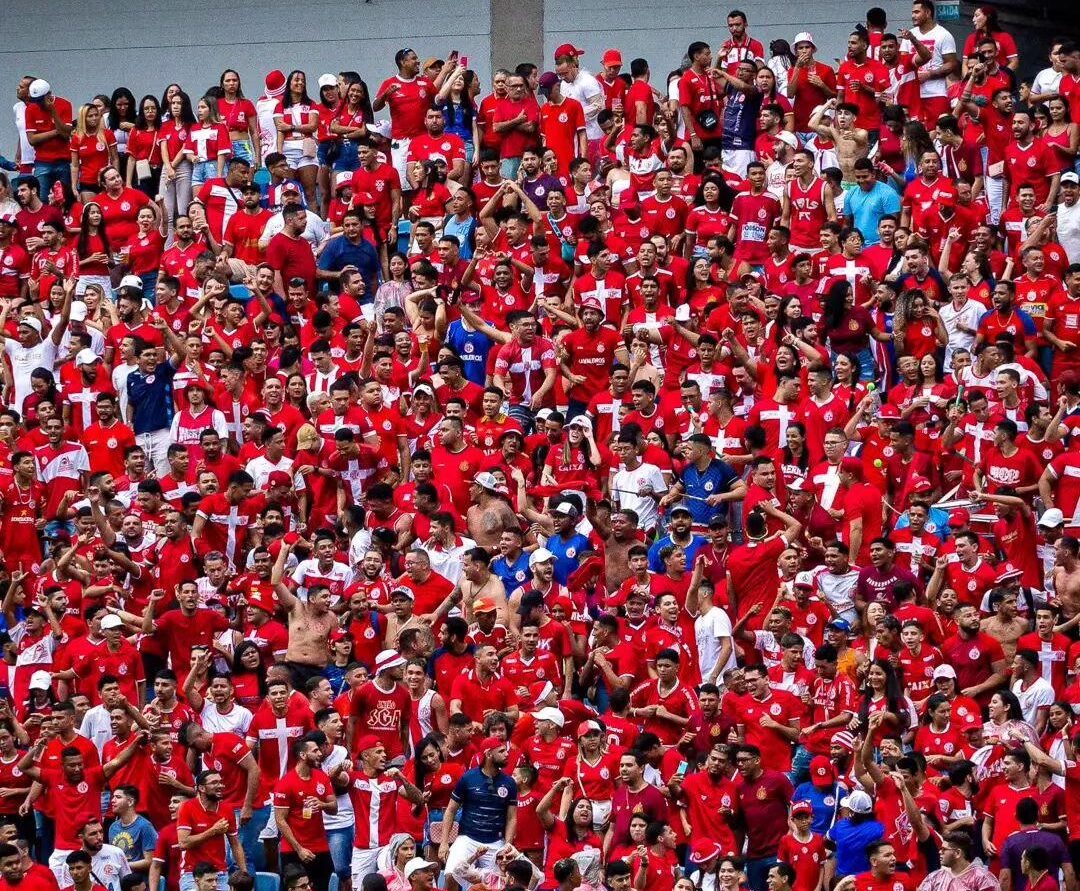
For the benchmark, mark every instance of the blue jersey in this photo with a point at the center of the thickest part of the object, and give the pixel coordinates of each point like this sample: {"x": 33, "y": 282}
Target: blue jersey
{"x": 512, "y": 575}
{"x": 472, "y": 347}
{"x": 150, "y": 397}
{"x": 484, "y": 802}
{"x": 567, "y": 554}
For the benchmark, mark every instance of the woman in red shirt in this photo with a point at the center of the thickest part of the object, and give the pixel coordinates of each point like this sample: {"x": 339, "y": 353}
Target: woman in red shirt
{"x": 93, "y": 249}
{"x": 144, "y": 161}
{"x": 141, "y": 254}
{"x": 120, "y": 206}
{"x": 207, "y": 145}
{"x": 569, "y": 836}
{"x": 175, "y": 165}
{"x": 240, "y": 118}
{"x": 93, "y": 147}
{"x": 297, "y": 120}
{"x": 919, "y": 331}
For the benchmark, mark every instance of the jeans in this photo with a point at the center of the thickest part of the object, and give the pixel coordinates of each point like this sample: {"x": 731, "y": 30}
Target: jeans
{"x": 867, "y": 366}
{"x": 800, "y": 765}
{"x": 201, "y": 171}
{"x": 348, "y": 158}
{"x": 149, "y": 283}
{"x": 757, "y": 872}
{"x": 49, "y": 172}
{"x": 254, "y": 852}
{"x": 177, "y": 193}
{"x": 509, "y": 167}
{"x": 341, "y": 843}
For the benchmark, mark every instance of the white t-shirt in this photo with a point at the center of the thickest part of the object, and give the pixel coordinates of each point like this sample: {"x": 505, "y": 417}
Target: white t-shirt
{"x": 1038, "y": 695}
{"x": 583, "y": 88}
{"x": 119, "y": 381}
{"x": 236, "y": 721}
{"x": 1068, "y": 230}
{"x": 109, "y": 866}
{"x": 629, "y": 482}
{"x": 940, "y": 43}
{"x": 23, "y": 361}
{"x": 968, "y": 316}
{"x": 709, "y": 628}
{"x": 26, "y": 150}
{"x": 264, "y": 110}
{"x": 344, "y": 816}
{"x": 1046, "y": 81}
{"x": 96, "y": 726}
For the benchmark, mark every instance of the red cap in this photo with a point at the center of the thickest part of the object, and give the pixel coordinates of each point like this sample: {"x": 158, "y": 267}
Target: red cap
{"x": 959, "y": 518}
{"x": 852, "y": 466}
{"x": 368, "y": 741}
{"x": 484, "y": 605}
{"x": 802, "y": 807}
{"x": 275, "y": 83}
{"x": 278, "y": 478}
{"x": 567, "y": 49}
{"x": 539, "y": 691}
{"x": 490, "y": 744}
{"x": 587, "y": 727}
{"x": 889, "y": 412}
{"x": 365, "y": 198}
{"x": 611, "y": 58}
{"x": 1008, "y": 571}
{"x": 948, "y": 199}
{"x": 921, "y": 484}
{"x": 703, "y": 850}
{"x": 339, "y": 634}
{"x": 822, "y": 772}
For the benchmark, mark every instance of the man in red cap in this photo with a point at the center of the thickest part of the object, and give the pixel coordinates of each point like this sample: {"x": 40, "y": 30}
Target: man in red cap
{"x": 614, "y": 87}
{"x": 579, "y": 84}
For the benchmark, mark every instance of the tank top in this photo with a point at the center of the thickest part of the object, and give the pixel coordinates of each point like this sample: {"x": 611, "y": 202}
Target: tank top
{"x": 420, "y": 724}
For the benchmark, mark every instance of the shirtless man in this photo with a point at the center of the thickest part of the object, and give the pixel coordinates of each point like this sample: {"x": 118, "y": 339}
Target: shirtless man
{"x": 851, "y": 142}
{"x": 310, "y": 623}
{"x": 1067, "y": 576}
{"x": 1004, "y": 625}
{"x": 619, "y": 539}
{"x": 490, "y": 514}
{"x": 478, "y": 581}
{"x": 401, "y": 617}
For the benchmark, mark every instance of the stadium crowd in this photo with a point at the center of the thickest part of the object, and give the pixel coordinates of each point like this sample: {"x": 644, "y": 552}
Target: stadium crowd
{"x": 591, "y": 480}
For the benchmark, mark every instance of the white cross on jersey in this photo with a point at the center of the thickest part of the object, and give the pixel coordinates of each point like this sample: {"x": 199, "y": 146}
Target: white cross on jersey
{"x": 851, "y": 271}
{"x": 285, "y": 735}
{"x": 1047, "y": 657}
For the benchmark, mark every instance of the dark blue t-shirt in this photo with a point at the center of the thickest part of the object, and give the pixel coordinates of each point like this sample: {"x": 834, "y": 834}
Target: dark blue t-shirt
{"x": 484, "y": 802}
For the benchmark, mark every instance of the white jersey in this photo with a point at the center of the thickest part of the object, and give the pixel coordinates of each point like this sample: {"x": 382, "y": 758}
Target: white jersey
{"x": 629, "y": 482}
{"x": 940, "y": 43}
{"x": 23, "y": 362}
{"x": 236, "y": 720}
{"x": 26, "y": 150}
{"x": 709, "y": 630}
{"x": 264, "y": 109}
{"x": 344, "y": 817}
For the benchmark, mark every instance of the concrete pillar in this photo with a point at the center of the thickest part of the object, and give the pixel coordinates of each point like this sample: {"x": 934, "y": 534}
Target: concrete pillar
{"x": 517, "y": 33}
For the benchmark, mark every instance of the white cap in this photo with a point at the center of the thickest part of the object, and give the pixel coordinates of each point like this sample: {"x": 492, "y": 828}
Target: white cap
{"x": 804, "y": 580}
{"x": 417, "y": 864}
{"x": 131, "y": 281}
{"x": 682, "y": 312}
{"x": 327, "y": 80}
{"x": 31, "y": 322}
{"x": 1051, "y": 518}
{"x": 342, "y": 179}
{"x": 944, "y": 671}
{"x": 543, "y": 414}
{"x": 1070, "y": 177}
{"x": 86, "y": 357}
{"x": 582, "y": 421}
{"x": 540, "y": 555}
{"x": 111, "y": 621}
{"x": 486, "y": 480}
{"x": 424, "y": 388}
{"x": 380, "y": 128}
{"x": 550, "y": 713}
{"x": 40, "y": 680}
{"x": 787, "y": 138}
{"x": 39, "y": 89}
{"x": 858, "y": 802}
{"x": 78, "y": 311}
{"x": 803, "y": 37}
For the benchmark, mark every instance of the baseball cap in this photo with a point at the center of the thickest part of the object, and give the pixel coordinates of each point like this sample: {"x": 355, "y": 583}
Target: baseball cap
{"x": 418, "y": 864}
{"x": 1051, "y": 518}
{"x": 889, "y": 412}
{"x": 491, "y": 744}
{"x": 368, "y": 741}
{"x": 840, "y": 625}
{"x": 402, "y": 591}
{"x": 804, "y": 580}
{"x": 843, "y": 738}
{"x": 567, "y": 49}
{"x": 944, "y": 671}
{"x": 540, "y": 690}
{"x": 40, "y": 680}
{"x": 550, "y": 713}
{"x": 566, "y": 509}
{"x": 802, "y": 808}
{"x": 31, "y": 322}
{"x": 611, "y": 57}
{"x": 78, "y": 311}
{"x": 543, "y": 414}
{"x": 131, "y": 281}
{"x": 587, "y": 727}
{"x": 540, "y": 555}
{"x": 547, "y": 80}
{"x": 591, "y": 303}
{"x": 1070, "y": 177}
{"x": 1008, "y": 571}
{"x": 327, "y": 80}
{"x": 681, "y": 509}
{"x": 111, "y": 621}
{"x": 9, "y": 218}
{"x": 290, "y": 186}
{"x": 822, "y": 772}
{"x": 961, "y": 518}
{"x": 275, "y": 83}
{"x": 787, "y": 138}
{"x": 581, "y": 421}
{"x": 484, "y": 605}
{"x": 486, "y": 480}
{"x": 380, "y": 128}
{"x": 342, "y": 179}
{"x": 858, "y": 802}
{"x": 851, "y": 465}
{"x": 87, "y": 356}
{"x": 804, "y": 37}
{"x": 39, "y": 88}
{"x": 682, "y": 312}
{"x": 278, "y": 478}
{"x": 424, "y": 388}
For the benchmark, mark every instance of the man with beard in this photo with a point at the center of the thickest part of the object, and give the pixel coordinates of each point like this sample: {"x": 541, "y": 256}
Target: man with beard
{"x": 300, "y": 795}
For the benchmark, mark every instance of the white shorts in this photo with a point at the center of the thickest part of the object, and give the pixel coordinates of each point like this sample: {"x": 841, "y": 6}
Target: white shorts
{"x": 461, "y": 853}
{"x": 736, "y": 160}
{"x": 293, "y": 150}
{"x": 364, "y": 862}
{"x": 399, "y": 157}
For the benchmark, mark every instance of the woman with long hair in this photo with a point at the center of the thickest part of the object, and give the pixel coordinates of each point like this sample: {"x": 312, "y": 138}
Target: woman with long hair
{"x": 297, "y": 121}
{"x": 846, "y": 384}
{"x": 239, "y": 117}
{"x": 208, "y": 144}
{"x": 93, "y": 147}
{"x": 571, "y": 466}
{"x": 938, "y": 739}
{"x": 121, "y": 118}
{"x": 1005, "y": 722}
{"x": 703, "y": 294}
{"x": 175, "y": 164}
{"x": 1062, "y": 135}
{"x": 328, "y": 141}
{"x": 781, "y": 61}
{"x": 847, "y": 328}
{"x": 351, "y": 123}
{"x": 771, "y": 85}
{"x": 569, "y": 835}
{"x": 985, "y": 21}
{"x": 247, "y": 674}
{"x": 710, "y": 215}
{"x": 93, "y": 250}
{"x": 392, "y": 859}
{"x": 144, "y": 162}
{"x": 166, "y": 100}
{"x": 794, "y": 456}
{"x": 884, "y": 710}
{"x": 456, "y": 103}
{"x": 917, "y": 327}
{"x": 141, "y": 254}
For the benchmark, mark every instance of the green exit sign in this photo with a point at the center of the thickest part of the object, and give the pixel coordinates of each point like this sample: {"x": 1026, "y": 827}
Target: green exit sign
{"x": 948, "y": 11}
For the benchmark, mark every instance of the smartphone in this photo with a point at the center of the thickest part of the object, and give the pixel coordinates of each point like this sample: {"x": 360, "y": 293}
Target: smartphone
{"x": 681, "y": 770}
{"x": 464, "y": 60}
